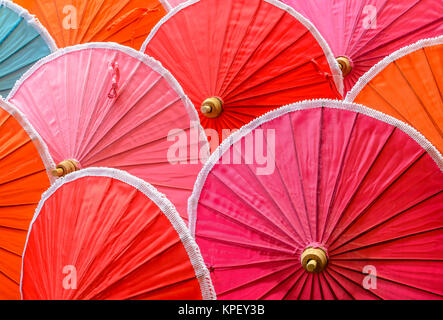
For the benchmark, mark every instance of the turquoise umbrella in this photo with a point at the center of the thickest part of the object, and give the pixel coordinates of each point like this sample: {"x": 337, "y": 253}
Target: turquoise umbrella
{"x": 23, "y": 41}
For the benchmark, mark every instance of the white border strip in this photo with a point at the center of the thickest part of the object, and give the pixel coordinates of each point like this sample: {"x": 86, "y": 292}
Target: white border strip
{"x": 305, "y": 105}
{"x": 380, "y": 66}
{"x": 168, "y": 209}
{"x": 149, "y": 61}
{"x": 333, "y": 64}
{"x": 32, "y": 21}
{"x": 39, "y": 144}
{"x": 166, "y": 5}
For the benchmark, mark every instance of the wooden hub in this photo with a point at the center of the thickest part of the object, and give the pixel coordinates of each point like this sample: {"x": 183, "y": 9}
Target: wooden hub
{"x": 65, "y": 167}
{"x": 314, "y": 260}
{"x": 212, "y": 107}
{"x": 345, "y": 65}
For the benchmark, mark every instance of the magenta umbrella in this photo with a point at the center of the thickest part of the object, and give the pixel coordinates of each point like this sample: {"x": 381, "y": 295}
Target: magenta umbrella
{"x": 314, "y": 200}
{"x": 107, "y": 105}
{"x": 363, "y": 32}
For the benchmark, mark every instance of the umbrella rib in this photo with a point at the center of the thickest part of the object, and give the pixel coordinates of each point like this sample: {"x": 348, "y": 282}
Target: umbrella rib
{"x": 135, "y": 269}
{"x": 319, "y": 163}
{"x": 22, "y": 177}
{"x": 396, "y": 39}
{"x": 359, "y": 186}
{"x": 151, "y": 291}
{"x": 11, "y": 252}
{"x": 87, "y": 27}
{"x": 418, "y": 97}
{"x": 9, "y": 278}
{"x": 358, "y": 285}
{"x": 440, "y": 90}
{"x": 227, "y": 93}
{"x": 365, "y": 210}
{"x": 253, "y": 208}
{"x": 248, "y": 226}
{"x": 400, "y": 115}
{"x": 290, "y": 199}
{"x": 365, "y": 30}
{"x": 375, "y": 244}
{"x": 105, "y": 25}
{"x": 123, "y": 116}
{"x": 128, "y": 242}
{"x": 252, "y": 263}
{"x": 282, "y": 282}
{"x": 388, "y": 280}
{"x": 260, "y": 278}
{"x": 232, "y": 99}
{"x": 246, "y": 245}
{"x": 222, "y": 83}
{"x": 326, "y": 271}
{"x": 17, "y": 147}
{"x": 60, "y": 23}
{"x": 299, "y": 173}
{"x": 338, "y": 179}
{"x": 329, "y": 286}
{"x": 362, "y": 233}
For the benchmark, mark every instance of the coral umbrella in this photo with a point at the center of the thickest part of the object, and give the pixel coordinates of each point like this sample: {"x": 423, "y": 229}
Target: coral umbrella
{"x": 238, "y": 59}
{"x": 103, "y": 234}
{"x": 72, "y": 22}
{"x": 23, "y": 41}
{"x": 23, "y": 178}
{"x": 408, "y": 85}
{"x": 363, "y": 32}
{"x": 102, "y": 104}
{"x": 322, "y": 200}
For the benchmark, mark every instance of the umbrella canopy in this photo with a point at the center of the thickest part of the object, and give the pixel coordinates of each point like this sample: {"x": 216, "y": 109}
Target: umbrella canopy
{"x": 103, "y": 104}
{"x": 408, "y": 85}
{"x": 345, "y": 193}
{"x": 23, "y": 41}
{"x": 104, "y": 234}
{"x": 23, "y": 179}
{"x": 238, "y": 59}
{"x": 71, "y": 22}
{"x": 363, "y": 32}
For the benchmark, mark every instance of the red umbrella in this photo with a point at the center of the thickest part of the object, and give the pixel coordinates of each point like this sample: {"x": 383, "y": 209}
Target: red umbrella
{"x": 344, "y": 203}
{"x": 238, "y": 59}
{"x": 104, "y": 234}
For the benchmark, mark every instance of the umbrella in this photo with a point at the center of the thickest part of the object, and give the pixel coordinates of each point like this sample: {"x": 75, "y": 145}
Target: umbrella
{"x": 322, "y": 200}
{"x": 363, "y": 32}
{"x": 23, "y": 41}
{"x": 71, "y": 22}
{"x": 239, "y": 59}
{"x": 137, "y": 245}
{"x": 103, "y": 104}
{"x": 408, "y": 85}
{"x": 23, "y": 179}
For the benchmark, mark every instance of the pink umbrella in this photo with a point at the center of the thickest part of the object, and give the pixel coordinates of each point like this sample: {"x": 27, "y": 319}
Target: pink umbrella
{"x": 322, "y": 200}
{"x": 104, "y": 104}
{"x": 366, "y": 31}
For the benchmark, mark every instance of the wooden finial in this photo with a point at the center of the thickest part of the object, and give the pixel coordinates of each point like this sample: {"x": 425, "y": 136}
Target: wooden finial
{"x": 314, "y": 260}
{"x": 345, "y": 65}
{"x": 212, "y": 107}
{"x": 65, "y": 167}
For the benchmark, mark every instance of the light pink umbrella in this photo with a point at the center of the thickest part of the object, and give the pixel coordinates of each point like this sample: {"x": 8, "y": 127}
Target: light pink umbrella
{"x": 366, "y": 31}
{"x": 107, "y": 105}
{"x": 322, "y": 200}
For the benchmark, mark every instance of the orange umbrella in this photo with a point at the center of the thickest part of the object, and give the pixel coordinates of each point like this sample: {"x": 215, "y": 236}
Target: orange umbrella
{"x": 23, "y": 178}
{"x": 409, "y": 86}
{"x": 71, "y": 22}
